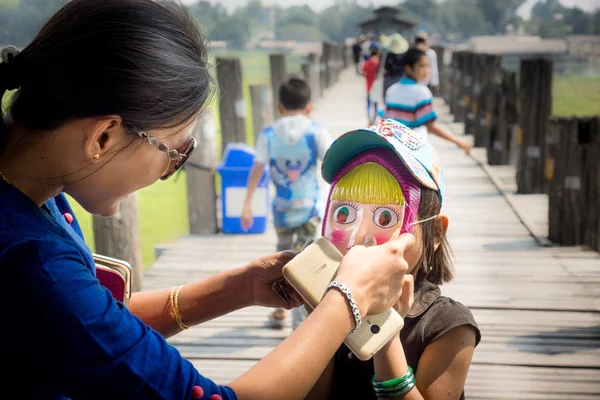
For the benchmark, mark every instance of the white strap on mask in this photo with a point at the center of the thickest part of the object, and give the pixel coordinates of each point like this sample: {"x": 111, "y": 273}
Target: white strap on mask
{"x": 424, "y": 220}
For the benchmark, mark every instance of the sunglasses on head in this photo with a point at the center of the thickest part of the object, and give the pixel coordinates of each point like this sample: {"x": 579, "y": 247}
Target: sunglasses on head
{"x": 176, "y": 157}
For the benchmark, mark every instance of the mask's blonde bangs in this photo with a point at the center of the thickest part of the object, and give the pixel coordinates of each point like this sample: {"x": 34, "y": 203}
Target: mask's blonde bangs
{"x": 368, "y": 183}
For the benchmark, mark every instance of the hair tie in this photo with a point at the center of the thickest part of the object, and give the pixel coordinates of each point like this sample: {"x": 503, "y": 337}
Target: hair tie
{"x": 10, "y": 73}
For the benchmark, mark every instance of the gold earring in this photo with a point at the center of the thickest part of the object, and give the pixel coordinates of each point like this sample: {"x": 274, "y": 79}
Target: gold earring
{"x": 96, "y": 156}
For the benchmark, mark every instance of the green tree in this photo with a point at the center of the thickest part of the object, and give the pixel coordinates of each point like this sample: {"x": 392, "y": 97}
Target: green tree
{"x": 300, "y": 32}
{"x": 553, "y": 29}
{"x": 596, "y": 23}
{"x": 234, "y": 29}
{"x": 498, "y": 14}
{"x": 462, "y": 17}
{"x": 341, "y": 20}
{"x": 209, "y": 15}
{"x": 331, "y": 22}
{"x": 21, "y": 23}
{"x": 578, "y": 20}
{"x": 423, "y": 9}
{"x": 302, "y": 15}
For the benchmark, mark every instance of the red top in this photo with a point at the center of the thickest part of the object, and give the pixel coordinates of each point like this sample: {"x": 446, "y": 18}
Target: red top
{"x": 370, "y": 68}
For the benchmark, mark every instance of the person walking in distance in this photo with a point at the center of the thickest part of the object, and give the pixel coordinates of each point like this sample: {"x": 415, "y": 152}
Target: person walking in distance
{"x": 433, "y": 80}
{"x": 411, "y": 102}
{"x": 291, "y": 148}
{"x": 370, "y": 70}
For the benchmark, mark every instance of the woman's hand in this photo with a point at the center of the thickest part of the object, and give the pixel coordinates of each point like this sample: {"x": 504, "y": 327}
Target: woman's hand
{"x": 263, "y": 274}
{"x": 375, "y": 274}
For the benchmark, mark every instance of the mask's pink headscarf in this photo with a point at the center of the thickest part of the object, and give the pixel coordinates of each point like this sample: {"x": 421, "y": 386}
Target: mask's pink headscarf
{"x": 389, "y": 160}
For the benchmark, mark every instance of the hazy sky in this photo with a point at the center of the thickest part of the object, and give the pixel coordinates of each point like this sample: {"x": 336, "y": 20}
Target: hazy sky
{"x": 320, "y": 4}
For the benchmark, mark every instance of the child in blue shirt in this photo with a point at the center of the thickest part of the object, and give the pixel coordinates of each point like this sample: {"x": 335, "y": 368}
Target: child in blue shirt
{"x": 411, "y": 102}
{"x": 291, "y": 148}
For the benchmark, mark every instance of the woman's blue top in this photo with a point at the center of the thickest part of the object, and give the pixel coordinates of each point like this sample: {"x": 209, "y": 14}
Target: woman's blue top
{"x": 64, "y": 335}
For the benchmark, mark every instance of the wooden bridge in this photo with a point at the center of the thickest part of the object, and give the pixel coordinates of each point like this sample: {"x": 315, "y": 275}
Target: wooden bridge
{"x": 538, "y": 306}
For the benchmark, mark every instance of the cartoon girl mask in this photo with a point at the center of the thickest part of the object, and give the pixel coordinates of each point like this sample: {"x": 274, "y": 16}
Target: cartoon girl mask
{"x": 376, "y": 175}
{"x": 373, "y": 195}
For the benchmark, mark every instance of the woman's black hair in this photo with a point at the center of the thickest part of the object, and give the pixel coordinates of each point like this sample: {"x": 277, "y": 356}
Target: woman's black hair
{"x": 144, "y": 60}
{"x": 412, "y": 56}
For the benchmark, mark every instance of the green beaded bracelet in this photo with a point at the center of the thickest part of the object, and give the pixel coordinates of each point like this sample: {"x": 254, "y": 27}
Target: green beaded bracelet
{"x": 394, "y": 387}
{"x": 395, "y": 391}
{"x": 392, "y": 382}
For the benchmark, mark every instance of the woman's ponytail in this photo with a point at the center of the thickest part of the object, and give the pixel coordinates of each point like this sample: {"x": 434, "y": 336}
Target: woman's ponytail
{"x": 10, "y": 79}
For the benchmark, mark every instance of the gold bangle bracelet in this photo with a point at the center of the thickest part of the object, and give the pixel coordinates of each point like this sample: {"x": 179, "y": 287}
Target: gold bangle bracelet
{"x": 174, "y": 301}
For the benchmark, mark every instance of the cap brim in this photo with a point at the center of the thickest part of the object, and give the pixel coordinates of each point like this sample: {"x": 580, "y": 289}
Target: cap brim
{"x": 351, "y": 143}
{"x": 347, "y": 146}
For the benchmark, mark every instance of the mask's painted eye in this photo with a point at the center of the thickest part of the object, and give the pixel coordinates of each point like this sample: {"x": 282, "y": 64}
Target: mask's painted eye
{"x": 344, "y": 214}
{"x": 385, "y": 217}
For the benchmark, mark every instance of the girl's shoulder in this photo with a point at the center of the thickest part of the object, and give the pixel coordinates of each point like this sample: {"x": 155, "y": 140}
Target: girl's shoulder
{"x": 432, "y": 315}
{"x": 445, "y": 314}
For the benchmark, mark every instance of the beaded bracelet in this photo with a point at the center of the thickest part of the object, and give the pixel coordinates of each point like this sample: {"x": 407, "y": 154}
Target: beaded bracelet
{"x": 353, "y": 306}
{"x": 394, "y": 387}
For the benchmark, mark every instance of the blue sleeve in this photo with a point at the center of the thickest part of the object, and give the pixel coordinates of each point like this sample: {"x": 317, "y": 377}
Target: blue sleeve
{"x": 424, "y": 109}
{"x": 76, "y": 339}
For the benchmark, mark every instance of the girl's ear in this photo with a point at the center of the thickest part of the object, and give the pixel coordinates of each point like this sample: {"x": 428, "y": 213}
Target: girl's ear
{"x": 441, "y": 227}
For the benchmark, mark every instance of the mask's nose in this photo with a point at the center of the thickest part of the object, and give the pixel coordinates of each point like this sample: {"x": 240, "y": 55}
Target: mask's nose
{"x": 360, "y": 235}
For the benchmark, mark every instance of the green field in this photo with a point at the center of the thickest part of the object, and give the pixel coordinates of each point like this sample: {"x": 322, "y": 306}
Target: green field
{"x": 163, "y": 206}
{"x": 576, "y": 95}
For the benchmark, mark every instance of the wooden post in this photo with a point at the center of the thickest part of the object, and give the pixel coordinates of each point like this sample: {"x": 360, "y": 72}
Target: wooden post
{"x": 304, "y": 68}
{"x": 589, "y": 134}
{"x": 440, "y": 53}
{"x": 335, "y": 68}
{"x": 566, "y": 194}
{"x": 345, "y": 59}
{"x": 536, "y": 106}
{"x": 232, "y": 106}
{"x": 492, "y": 80}
{"x": 451, "y": 91}
{"x": 473, "y": 95}
{"x": 278, "y": 76}
{"x": 555, "y": 125}
{"x": 262, "y": 108}
{"x": 119, "y": 237}
{"x": 200, "y": 176}
{"x": 339, "y": 59}
{"x": 322, "y": 74}
{"x": 327, "y": 64}
{"x": 462, "y": 82}
{"x": 314, "y": 76}
{"x": 500, "y": 117}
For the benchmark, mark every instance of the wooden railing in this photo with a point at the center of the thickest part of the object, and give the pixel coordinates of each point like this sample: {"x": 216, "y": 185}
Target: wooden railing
{"x": 512, "y": 121}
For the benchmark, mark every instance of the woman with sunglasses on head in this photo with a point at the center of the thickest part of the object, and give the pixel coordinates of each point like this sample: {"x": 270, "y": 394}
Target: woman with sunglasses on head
{"x": 106, "y": 98}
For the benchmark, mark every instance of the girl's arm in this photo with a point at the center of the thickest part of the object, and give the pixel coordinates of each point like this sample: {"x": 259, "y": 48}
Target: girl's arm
{"x": 443, "y": 366}
{"x": 438, "y": 130}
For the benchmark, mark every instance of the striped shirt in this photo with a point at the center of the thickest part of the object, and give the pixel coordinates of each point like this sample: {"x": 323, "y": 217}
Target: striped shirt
{"x": 410, "y": 103}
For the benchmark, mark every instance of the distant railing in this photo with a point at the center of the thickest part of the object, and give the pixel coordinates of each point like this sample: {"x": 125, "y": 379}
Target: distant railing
{"x": 512, "y": 121}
